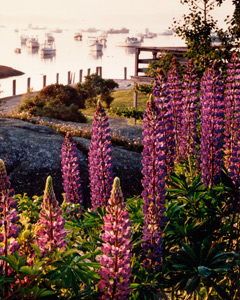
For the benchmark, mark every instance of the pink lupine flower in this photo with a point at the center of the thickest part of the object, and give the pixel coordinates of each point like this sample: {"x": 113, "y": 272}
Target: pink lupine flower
{"x": 232, "y": 120}
{"x": 154, "y": 173}
{"x": 51, "y": 235}
{"x": 115, "y": 271}
{"x": 8, "y": 217}
{"x": 100, "y": 159}
{"x": 70, "y": 173}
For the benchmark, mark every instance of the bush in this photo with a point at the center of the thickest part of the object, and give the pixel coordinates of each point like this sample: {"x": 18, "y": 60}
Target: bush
{"x": 55, "y": 101}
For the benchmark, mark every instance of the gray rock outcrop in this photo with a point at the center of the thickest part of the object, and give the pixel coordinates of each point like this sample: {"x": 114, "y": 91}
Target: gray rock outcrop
{"x": 32, "y": 152}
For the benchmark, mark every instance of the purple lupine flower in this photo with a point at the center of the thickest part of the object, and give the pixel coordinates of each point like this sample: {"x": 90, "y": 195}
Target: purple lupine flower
{"x": 51, "y": 235}
{"x": 232, "y": 120}
{"x": 100, "y": 159}
{"x": 153, "y": 182}
{"x": 70, "y": 173}
{"x": 190, "y": 107}
{"x": 162, "y": 99}
{"x": 8, "y": 217}
{"x": 175, "y": 92}
{"x": 115, "y": 271}
{"x": 212, "y": 115}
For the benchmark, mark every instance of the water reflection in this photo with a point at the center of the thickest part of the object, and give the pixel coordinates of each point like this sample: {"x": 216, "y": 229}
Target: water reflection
{"x": 130, "y": 50}
{"x": 96, "y": 54}
{"x": 48, "y": 57}
{"x": 33, "y": 50}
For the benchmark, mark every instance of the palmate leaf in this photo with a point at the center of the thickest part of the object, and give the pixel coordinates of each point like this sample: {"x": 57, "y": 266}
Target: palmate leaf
{"x": 204, "y": 271}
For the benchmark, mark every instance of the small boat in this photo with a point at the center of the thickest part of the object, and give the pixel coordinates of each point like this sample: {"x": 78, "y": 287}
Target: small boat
{"x": 17, "y": 50}
{"x": 23, "y": 39}
{"x": 49, "y": 37}
{"x": 32, "y": 42}
{"x": 48, "y": 49}
{"x": 78, "y": 36}
{"x": 95, "y": 45}
{"x": 132, "y": 42}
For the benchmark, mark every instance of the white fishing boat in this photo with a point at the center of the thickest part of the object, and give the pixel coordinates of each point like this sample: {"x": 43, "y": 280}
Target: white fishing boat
{"x": 48, "y": 49}
{"x": 95, "y": 45}
{"x": 49, "y": 37}
{"x": 132, "y": 42}
{"x": 32, "y": 42}
{"x": 17, "y": 50}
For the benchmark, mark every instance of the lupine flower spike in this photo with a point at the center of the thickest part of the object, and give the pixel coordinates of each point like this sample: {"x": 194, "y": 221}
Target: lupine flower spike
{"x": 232, "y": 120}
{"x": 115, "y": 271}
{"x": 8, "y": 218}
{"x": 51, "y": 235}
{"x": 100, "y": 159}
{"x": 153, "y": 185}
{"x": 190, "y": 109}
{"x": 162, "y": 99}
{"x": 212, "y": 115}
{"x": 175, "y": 91}
{"x": 70, "y": 173}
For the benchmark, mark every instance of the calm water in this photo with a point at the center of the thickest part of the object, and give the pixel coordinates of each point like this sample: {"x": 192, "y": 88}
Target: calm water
{"x": 70, "y": 56}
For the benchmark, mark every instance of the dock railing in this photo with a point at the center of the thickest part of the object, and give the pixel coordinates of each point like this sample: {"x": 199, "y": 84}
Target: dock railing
{"x": 141, "y": 64}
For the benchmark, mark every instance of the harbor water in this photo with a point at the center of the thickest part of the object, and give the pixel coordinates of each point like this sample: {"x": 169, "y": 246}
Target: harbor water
{"x": 71, "y": 56}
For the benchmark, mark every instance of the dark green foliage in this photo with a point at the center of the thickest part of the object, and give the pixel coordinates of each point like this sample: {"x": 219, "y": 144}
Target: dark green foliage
{"x": 95, "y": 87}
{"x": 130, "y": 112}
{"x": 55, "y": 101}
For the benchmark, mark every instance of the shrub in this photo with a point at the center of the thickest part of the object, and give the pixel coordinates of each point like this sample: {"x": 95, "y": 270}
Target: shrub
{"x": 55, "y": 101}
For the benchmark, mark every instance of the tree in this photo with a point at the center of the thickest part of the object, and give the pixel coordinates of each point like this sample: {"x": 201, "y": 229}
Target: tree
{"x": 200, "y": 31}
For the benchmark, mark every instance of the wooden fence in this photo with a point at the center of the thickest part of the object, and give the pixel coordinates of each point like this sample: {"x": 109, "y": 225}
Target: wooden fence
{"x": 71, "y": 79}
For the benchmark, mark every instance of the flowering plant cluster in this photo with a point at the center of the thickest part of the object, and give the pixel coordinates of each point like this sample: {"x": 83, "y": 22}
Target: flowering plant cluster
{"x": 180, "y": 237}
{"x": 100, "y": 159}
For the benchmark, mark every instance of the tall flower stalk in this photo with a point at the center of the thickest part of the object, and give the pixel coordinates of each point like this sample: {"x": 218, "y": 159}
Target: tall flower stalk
{"x": 232, "y": 120}
{"x": 9, "y": 228}
{"x": 70, "y": 173}
{"x": 162, "y": 99}
{"x": 51, "y": 235}
{"x": 100, "y": 159}
{"x": 175, "y": 91}
{"x": 115, "y": 271}
{"x": 153, "y": 185}
{"x": 190, "y": 107}
{"x": 212, "y": 122}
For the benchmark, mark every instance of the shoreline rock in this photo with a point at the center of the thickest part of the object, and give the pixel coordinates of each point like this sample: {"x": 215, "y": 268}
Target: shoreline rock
{"x": 6, "y": 72}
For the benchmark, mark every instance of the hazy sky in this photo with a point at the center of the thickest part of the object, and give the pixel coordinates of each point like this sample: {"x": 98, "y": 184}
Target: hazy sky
{"x": 99, "y": 13}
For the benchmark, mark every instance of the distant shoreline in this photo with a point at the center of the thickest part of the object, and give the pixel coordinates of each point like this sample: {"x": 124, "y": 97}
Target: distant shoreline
{"x": 6, "y": 72}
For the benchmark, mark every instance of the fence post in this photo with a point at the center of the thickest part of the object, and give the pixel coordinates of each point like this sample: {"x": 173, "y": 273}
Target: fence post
{"x": 89, "y": 71}
{"x": 69, "y": 77}
{"x": 28, "y": 84}
{"x": 57, "y": 78}
{"x": 14, "y": 87}
{"x": 44, "y": 80}
{"x": 125, "y": 73}
{"x": 100, "y": 71}
{"x": 135, "y": 98}
{"x": 80, "y": 76}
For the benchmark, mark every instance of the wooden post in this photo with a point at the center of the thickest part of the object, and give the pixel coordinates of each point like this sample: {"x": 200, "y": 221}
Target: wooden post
{"x": 135, "y": 98}
{"x": 80, "y": 76}
{"x": 125, "y": 73}
{"x": 69, "y": 77}
{"x": 89, "y": 71}
{"x": 57, "y": 78}
{"x": 14, "y": 87}
{"x": 44, "y": 80}
{"x": 28, "y": 84}
{"x": 100, "y": 71}
{"x": 137, "y": 53}
{"x": 97, "y": 68}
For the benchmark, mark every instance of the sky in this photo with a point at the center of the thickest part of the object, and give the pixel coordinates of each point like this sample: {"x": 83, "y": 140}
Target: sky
{"x": 156, "y": 15}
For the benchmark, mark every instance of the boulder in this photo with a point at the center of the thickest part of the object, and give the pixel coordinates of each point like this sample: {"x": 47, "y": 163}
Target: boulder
{"x": 31, "y": 152}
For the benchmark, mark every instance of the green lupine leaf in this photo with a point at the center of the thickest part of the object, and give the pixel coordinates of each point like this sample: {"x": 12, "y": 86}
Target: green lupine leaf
{"x": 204, "y": 271}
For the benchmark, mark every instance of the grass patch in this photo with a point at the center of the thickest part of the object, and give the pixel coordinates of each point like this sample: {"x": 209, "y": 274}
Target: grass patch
{"x": 125, "y": 99}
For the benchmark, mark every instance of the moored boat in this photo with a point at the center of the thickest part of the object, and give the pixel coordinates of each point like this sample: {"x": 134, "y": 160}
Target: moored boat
{"x": 48, "y": 49}
{"x": 32, "y": 42}
{"x": 95, "y": 45}
{"x": 49, "y": 37}
{"x": 77, "y": 36}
